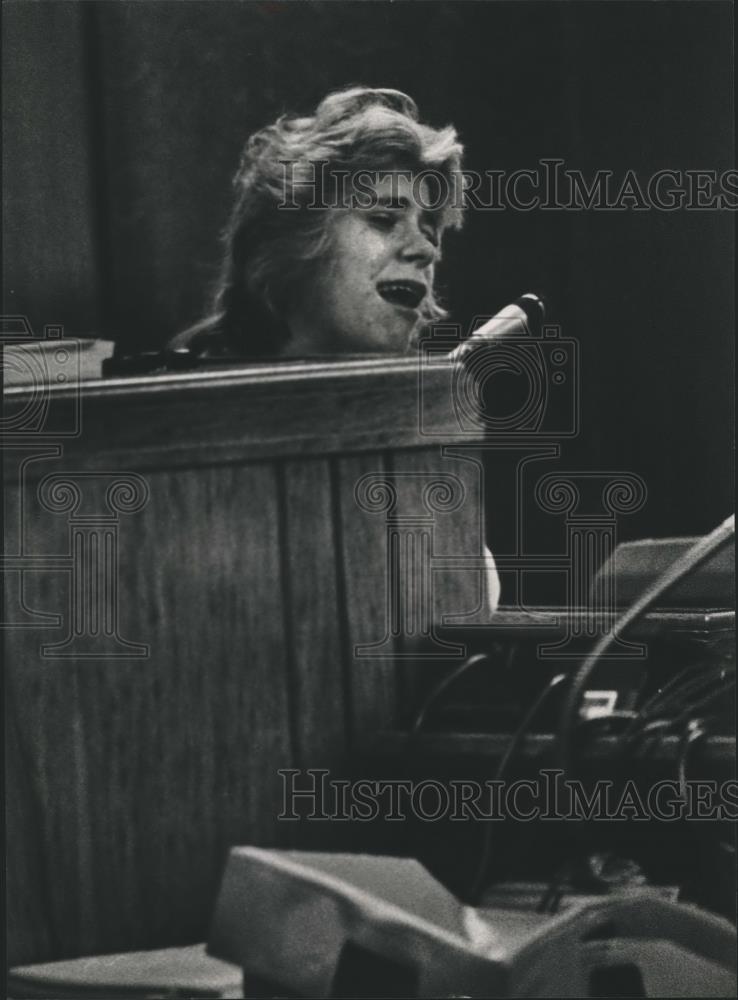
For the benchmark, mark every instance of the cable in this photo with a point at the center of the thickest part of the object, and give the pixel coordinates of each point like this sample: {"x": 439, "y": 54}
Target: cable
{"x": 698, "y": 686}
{"x": 697, "y": 705}
{"x": 650, "y": 717}
{"x": 554, "y": 891}
{"x": 686, "y": 710}
{"x": 705, "y": 676}
{"x": 685, "y": 564}
{"x": 694, "y": 733}
{"x": 684, "y": 697}
{"x": 669, "y": 686}
{"x": 442, "y": 686}
{"x": 478, "y": 882}
{"x": 659, "y": 727}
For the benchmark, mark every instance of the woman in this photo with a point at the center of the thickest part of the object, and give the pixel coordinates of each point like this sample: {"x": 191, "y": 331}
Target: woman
{"x": 334, "y": 238}
{"x": 335, "y": 233}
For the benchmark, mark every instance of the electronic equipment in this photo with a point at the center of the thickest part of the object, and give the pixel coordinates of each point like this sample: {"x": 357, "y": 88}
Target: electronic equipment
{"x": 636, "y": 564}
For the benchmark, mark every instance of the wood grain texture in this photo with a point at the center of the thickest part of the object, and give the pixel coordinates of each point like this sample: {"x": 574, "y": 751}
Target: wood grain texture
{"x": 455, "y": 526}
{"x": 363, "y": 567}
{"x": 165, "y": 147}
{"x": 263, "y": 411}
{"x": 248, "y": 577}
{"x": 145, "y": 772}
{"x": 312, "y": 614}
{"x": 444, "y": 486}
{"x": 314, "y": 626}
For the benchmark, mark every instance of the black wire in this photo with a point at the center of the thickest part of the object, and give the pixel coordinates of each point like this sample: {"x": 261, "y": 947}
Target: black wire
{"x": 699, "y": 686}
{"x": 651, "y": 730}
{"x": 671, "y": 697}
{"x": 669, "y": 687}
{"x": 691, "y": 708}
{"x": 685, "y": 564}
{"x": 693, "y": 733}
{"x": 478, "y": 882}
{"x": 677, "y": 701}
{"x": 554, "y": 891}
{"x": 441, "y": 687}
{"x": 656, "y": 728}
{"x": 697, "y": 705}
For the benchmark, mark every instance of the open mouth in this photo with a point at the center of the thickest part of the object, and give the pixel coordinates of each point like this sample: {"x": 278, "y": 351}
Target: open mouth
{"x": 406, "y": 294}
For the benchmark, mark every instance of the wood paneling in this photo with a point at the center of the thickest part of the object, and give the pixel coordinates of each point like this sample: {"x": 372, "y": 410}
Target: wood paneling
{"x": 148, "y": 769}
{"x": 312, "y": 614}
{"x": 123, "y": 124}
{"x": 363, "y": 569}
{"x": 250, "y": 575}
{"x": 262, "y": 411}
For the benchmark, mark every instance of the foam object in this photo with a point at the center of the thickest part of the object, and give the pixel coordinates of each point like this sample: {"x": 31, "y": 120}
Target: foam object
{"x": 166, "y": 972}
{"x": 322, "y": 925}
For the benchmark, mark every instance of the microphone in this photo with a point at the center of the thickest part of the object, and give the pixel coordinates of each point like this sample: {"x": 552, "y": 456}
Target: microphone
{"x": 522, "y": 318}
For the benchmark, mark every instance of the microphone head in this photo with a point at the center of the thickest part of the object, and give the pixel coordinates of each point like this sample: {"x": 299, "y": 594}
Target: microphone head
{"x": 522, "y": 318}
{"x": 533, "y": 305}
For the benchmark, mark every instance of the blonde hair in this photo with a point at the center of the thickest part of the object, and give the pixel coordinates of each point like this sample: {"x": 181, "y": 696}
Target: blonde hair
{"x": 286, "y": 186}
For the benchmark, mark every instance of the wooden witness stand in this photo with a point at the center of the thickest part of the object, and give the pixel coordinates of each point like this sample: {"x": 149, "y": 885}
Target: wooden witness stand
{"x": 246, "y": 567}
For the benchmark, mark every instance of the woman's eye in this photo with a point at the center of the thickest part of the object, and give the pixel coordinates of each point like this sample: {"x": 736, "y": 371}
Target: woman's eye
{"x": 383, "y": 220}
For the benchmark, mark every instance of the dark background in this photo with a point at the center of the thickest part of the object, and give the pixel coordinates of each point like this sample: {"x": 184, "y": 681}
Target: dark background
{"x": 123, "y": 124}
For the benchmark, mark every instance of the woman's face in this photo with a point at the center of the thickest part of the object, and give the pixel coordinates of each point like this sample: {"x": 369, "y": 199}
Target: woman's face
{"x": 366, "y": 296}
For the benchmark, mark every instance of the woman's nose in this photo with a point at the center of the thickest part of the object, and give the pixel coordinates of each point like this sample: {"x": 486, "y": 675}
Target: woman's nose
{"x": 418, "y": 248}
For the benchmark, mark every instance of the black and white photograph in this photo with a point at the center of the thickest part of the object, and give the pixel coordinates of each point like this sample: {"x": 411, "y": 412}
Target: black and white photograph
{"x": 369, "y": 537}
